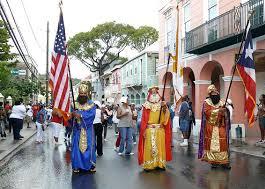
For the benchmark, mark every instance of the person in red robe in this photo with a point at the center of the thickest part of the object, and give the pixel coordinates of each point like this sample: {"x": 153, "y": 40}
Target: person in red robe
{"x": 154, "y": 147}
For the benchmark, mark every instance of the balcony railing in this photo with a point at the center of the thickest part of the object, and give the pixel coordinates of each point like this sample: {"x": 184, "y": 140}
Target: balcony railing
{"x": 205, "y": 37}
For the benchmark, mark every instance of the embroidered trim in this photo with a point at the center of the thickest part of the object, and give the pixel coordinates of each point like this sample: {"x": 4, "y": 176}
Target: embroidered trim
{"x": 153, "y": 143}
{"x": 83, "y": 140}
{"x": 86, "y": 106}
{"x": 152, "y": 106}
{"x": 215, "y": 142}
{"x": 155, "y": 160}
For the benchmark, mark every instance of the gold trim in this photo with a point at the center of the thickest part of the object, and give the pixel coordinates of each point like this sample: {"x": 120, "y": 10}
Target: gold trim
{"x": 215, "y": 142}
{"x": 83, "y": 140}
{"x": 213, "y": 119}
{"x": 86, "y": 106}
{"x": 152, "y": 106}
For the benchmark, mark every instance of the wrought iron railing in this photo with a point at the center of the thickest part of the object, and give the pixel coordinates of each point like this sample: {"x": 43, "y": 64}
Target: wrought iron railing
{"x": 229, "y": 24}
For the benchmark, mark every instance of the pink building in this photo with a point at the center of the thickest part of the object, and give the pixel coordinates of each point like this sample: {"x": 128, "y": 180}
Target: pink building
{"x": 210, "y": 32}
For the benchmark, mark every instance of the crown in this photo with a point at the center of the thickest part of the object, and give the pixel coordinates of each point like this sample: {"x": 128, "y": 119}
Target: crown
{"x": 83, "y": 88}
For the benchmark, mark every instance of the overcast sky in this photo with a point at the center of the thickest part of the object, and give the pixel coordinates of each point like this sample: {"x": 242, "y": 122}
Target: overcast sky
{"x": 79, "y": 15}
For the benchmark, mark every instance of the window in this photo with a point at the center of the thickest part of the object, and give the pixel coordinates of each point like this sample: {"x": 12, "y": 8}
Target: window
{"x": 212, "y": 9}
{"x": 169, "y": 31}
{"x": 187, "y": 18}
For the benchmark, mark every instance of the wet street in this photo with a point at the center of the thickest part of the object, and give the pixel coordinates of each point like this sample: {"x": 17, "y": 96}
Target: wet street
{"x": 44, "y": 166}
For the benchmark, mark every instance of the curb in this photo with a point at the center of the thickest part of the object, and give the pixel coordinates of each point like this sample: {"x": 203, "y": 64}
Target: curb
{"x": 10, "y": 154}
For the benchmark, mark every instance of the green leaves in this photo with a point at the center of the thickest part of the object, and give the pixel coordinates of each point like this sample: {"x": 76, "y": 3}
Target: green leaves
{"x": 104, "y": 44}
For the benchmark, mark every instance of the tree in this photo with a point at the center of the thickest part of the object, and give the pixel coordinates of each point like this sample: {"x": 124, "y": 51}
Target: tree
{"x": 143, "y": 37}
{"x": 5, "y": 54}
{"x": 101, "y": 46}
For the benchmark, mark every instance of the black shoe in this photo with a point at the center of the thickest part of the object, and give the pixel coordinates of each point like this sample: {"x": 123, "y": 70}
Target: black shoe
{"x": 29, "y": 127}
{"x": 18, "y": 139}
{"x": 21, "y": 136}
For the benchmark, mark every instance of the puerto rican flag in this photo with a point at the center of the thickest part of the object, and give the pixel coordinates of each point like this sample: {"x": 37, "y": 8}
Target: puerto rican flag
{"x": 246, "y": 69}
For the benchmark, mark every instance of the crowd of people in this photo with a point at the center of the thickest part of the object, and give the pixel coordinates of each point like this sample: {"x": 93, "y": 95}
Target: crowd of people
{"x": 150, "y": 125}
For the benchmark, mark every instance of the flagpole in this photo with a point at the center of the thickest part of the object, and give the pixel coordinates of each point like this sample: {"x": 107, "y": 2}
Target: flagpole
{"x": 163, "y": 94}
{"x": 240, "y": 48}
{"x": 47, "y": 66}
{"x": 69, "y": 71}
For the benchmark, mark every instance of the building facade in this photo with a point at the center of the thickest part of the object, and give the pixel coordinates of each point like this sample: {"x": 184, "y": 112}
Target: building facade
{"x": 138, "y": 74}
{"x": 210, "y": 33}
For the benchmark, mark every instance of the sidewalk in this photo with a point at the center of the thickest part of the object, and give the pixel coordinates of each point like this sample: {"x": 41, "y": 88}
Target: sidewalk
{"x": 10, "y": 146}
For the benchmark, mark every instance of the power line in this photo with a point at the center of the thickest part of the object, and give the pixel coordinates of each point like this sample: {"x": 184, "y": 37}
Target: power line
{"x": 20, "y": 33}
{"x": 31, "y": 28}
{"x": 13, "y": 37}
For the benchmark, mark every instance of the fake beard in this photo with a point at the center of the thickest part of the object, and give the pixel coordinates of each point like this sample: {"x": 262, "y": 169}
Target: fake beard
{"x": 154, "y": 98}
{"x": 82, "y": 99}
{"x": 215, "y": 99}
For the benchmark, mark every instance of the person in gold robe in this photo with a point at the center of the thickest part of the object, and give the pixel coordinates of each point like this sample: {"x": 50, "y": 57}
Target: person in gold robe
{"x": 154, "y": 147}
{"x": 214, "y": 133}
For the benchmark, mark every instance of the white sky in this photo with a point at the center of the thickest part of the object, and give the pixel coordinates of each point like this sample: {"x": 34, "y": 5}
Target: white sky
{"x": 79, "y": 15}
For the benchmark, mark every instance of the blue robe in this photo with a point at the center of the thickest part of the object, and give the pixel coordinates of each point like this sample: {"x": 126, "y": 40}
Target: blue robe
{"x": 86, "y": 160}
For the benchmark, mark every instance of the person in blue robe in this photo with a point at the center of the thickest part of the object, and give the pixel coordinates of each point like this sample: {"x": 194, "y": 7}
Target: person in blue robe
{"x": 83, "y": 140}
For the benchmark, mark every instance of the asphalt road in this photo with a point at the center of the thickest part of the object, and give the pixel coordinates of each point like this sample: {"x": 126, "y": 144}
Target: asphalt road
{"x": 45, "y": 166}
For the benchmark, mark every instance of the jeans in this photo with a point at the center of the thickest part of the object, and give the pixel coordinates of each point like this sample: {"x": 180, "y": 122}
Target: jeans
{"x": 17, "y": 125}
{"x": 105, "y": 129}
{"x": 134, "y": 132}
{"x": 126, "y": 136}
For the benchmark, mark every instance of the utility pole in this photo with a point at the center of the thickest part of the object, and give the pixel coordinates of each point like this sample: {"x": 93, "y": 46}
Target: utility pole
{"x": 47, "y": 66}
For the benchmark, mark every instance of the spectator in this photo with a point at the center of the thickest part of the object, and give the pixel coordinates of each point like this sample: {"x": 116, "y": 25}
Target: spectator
{"x": 105, "y": 122}
{"x": 115, "y": 120}
{"x": 134, "y": 118}
{"x": 40, "y": 121}
{"x": 184, "y": 119}
{"x": 97, "y": 123}
{"x": 8, "y": 109}
{"x": 29, "y": 115}
{"x": 261, "y": 117}
{"x": 139, "y": 118}
{"x": 2, "y": 121}
{"x": 172, "y": 115}
{"x": 16, "y": 118}
{"x": 191, "y": 118}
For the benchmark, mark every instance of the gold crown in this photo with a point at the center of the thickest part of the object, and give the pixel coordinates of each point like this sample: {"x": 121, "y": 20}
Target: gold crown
{"x": 83, "y": 88}
{"x": 211, "y": 89}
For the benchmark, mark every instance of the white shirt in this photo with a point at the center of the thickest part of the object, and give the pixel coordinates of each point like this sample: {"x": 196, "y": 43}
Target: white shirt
{"x": 30, "y": 112}
{"x": 115, "y": 119}
{"x": 97, "y": 117}
{"x": 18, "y": 112}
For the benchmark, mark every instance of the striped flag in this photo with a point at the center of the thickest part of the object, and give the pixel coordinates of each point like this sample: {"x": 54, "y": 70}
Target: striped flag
{"x": 246, "y": 70}
{"x": 59, "y": 74}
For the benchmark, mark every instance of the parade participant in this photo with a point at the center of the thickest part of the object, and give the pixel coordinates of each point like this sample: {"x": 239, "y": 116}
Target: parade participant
{"x": 154, "y": 147}
{"x": 261, "y": 117}
{"x": 214, "y": 133}
{"x": 35, "y": 109}
{"x": 56, "y": 122}
{"x": 40, "y": 121}
{"x": 83, "y": 139}
{"x": 124, "y": 114}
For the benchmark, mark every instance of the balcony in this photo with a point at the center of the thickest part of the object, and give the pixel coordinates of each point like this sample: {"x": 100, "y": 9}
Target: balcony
{"x": 226, "y": 29}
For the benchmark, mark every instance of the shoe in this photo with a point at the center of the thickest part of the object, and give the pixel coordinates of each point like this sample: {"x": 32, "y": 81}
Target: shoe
{"x": 135, "y": 143}
{"x": 185, "y": 143}
{"x": 116, "y": 148}
{"x": 129, "y": 154}
{"x": 105, "y": 140}
{"x": 260, "y": 142}
{"x": 21, "y": 136}
{"x": 75, "y": 170}
{"x": 28, "y": 127}
{"x": 119, "y": 154}
{"x": 116, "y": 134}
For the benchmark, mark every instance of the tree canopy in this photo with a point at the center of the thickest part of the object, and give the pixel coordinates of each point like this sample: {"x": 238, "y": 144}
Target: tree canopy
{"x": 103, "y": 44}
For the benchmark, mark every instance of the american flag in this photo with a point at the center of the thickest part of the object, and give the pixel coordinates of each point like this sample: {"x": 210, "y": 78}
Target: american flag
{"x": 59, "y": 75}
{"x": 246, "y": 70}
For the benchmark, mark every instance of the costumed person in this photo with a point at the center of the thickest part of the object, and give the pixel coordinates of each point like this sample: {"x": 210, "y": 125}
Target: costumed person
{"x": 154, "y": 147}
{"x": 56, "y": 122}
{"x": 83, "y": 138}
{"x": 214, "y": 133}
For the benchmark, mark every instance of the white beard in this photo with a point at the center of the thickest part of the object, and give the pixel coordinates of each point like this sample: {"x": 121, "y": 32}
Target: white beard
{"x": 154, "y": 98}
